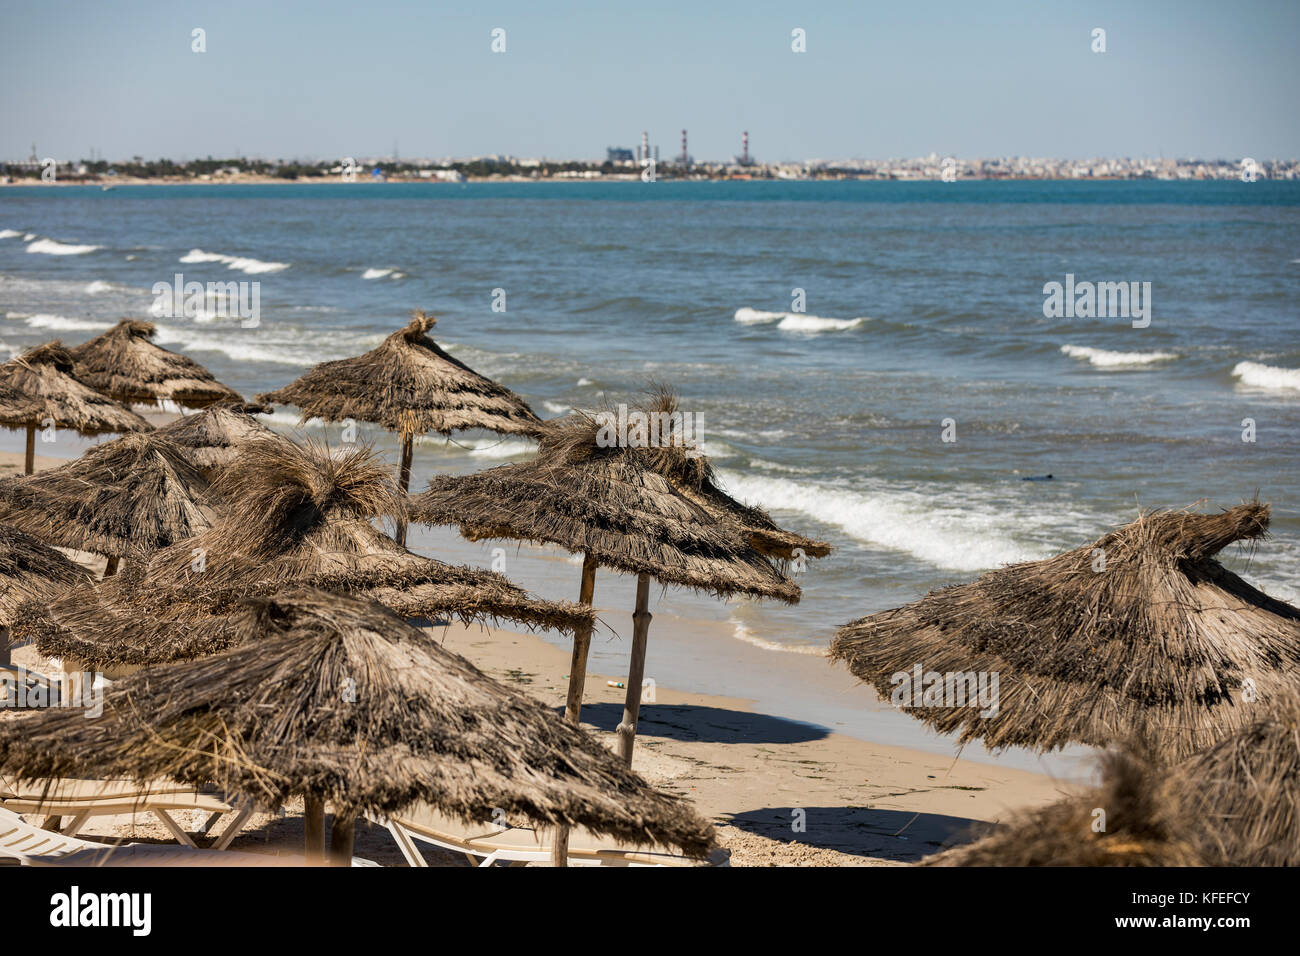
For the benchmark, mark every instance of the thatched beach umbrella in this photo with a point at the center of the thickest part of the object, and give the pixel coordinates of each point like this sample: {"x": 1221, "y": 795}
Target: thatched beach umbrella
{"x": 30, "y": 571}
{"x": 17, "y": 408}
{"x": 338, "y": 700}
{"x": 293, "y": 517}
{"x": 694, "y": 477}
{"x": 129, "y": 496}
{"x": 127, "y": 366}
{"x": 409, "y": 386}
{"x": 612, "y": 505}
{"x": 45, "y": 374}
{"x": 1140, "y": 634}
{"x": 1242, "y": 795}
{"x": 1133, "y": 818}
{"x": 212, "y": 438}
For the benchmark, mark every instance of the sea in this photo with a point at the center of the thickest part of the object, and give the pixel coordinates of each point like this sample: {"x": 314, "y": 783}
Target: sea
{"x": 875, "y": 363}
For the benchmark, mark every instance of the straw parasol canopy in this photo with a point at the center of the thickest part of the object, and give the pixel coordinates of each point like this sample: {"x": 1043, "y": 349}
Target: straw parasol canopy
{"x": 339, "y": 700}
{"x": 1141, "y": 633}
{"x": 46, "y": 374}
{"x": 17, "y": 408}
{"x": 30, "y": 571}
{"x": 295, "y": 517}
{"x": 1141, "y": 823}
{"x": 212, "y": 438}
{"x": 611, "y": 503}
{"x": 694, "y": 477}
{"x": 126, "y": 365}
{"x": 1243, "y": 793}
{"x": 409, "y": 386}
{"x": 129, "y": 496}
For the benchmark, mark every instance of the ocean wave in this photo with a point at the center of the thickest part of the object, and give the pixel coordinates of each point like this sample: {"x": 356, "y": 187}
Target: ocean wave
{"x": 797, "y": 321}
{"x": 381, "y": 273}
{"x": 499, "y": 447}
{"x": 98, "y": 286}
{"x": 742, "y": 633}
{"x": 1256, "y": 375}
{"x": 60, "y": 323}
{"x": 958, "y": 539}
{"x": 557, "y": 408}
{"x": 239, "y": 348}
{"x": 52, "y": 247}
{"x": 585, "y": 381}
{"x": 241, "y": 263}
{"x": 1102, "y": 358}
{"x": 9, "y": 233}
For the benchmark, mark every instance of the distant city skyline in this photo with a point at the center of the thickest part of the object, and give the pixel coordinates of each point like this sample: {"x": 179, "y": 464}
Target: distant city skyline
{"x": 328, "y": 80}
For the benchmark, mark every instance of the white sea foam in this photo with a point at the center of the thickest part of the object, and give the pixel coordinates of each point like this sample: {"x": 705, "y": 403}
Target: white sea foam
{"x": 1255, "y": 375}
{"x": 28, "y": 237}
{"x": 956, "y": 538}
{"x": 556, "y": 408}
{"x": 797, "y": 321}
{"x": 241, "y": 263}
{"x": 756, "y": 316}
{"x": 585, "y": 381}
{"x": 376, "y": 273}
{"x": 499, "y": 447}
{"x": 9, "y": 233}
{"x": 61, "y": 323}
{"x": 743, "y": 633}
{"x": 51, "y": 247}
{"x": 290, "y": 420}
{"x": 1102, "y": 358}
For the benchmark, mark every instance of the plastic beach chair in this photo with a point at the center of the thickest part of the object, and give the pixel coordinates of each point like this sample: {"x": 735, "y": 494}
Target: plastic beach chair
{"x": 485, "y": 844}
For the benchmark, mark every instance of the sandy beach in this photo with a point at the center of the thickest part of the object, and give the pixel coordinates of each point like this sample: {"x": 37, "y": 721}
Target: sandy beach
{"x": 783, "y": 792}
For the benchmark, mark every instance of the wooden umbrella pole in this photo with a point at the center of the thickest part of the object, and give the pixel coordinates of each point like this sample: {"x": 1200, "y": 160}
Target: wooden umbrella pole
{"x": 404, "y": 482}
{"x": 577, "y": 680}
{"x": 5, "y": 659}
{"x": 342, "y": 838}
{"x": 31, "y": 450}
{"x": 581, "y": 644}
{"x": 314, "y": 830}
{"x": 111, "y": 568}
{"x": 635, "y": 669}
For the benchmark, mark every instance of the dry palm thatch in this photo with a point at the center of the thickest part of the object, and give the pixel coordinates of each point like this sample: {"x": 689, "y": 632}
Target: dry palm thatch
{"x": 212, "y": 438}
{"x": 30, "y": 572}
{"x": 1141, "y": 633}
{"x": 692, "y": 474}
{"x": 409, "y": 386}
{"x": 338, "y": 699}
{"x": 125, "y": 365}
{"x": 1242, "y": 795}
{"x": 126, "y": 497}
{"x": 613, "y": 504}
{"x": 1141, "y": 824}
{"x": 46, "y": 374}
{"x": 18, "y": 409}
{"x": 295, "y": 517}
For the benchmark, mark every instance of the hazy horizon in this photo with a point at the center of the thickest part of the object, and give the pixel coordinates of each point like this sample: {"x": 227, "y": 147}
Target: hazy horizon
{"x": 327, "y": 80}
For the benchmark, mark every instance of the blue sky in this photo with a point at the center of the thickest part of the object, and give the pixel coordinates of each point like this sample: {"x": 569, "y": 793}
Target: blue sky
{"x": 324, "y": 80}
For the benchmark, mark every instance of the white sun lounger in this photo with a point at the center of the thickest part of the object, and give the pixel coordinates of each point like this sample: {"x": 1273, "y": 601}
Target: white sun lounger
{"x": 32, "y": 846}
{"x": 83, "y": 799}
{"x": 485, "y": 844}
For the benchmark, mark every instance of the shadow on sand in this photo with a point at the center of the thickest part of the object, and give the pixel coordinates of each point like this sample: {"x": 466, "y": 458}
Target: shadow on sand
{"x": 902, "y": 835}
{"x": 708, "y": 724}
